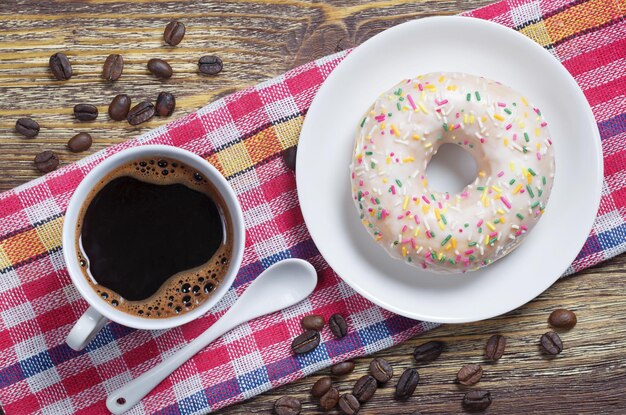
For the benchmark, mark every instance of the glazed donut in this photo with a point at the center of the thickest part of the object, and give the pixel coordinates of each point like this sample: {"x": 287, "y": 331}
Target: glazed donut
{"x": 443, "y": 232}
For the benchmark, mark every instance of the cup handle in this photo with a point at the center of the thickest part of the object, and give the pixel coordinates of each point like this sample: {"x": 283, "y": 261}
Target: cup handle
{"x": 85, "y": 329}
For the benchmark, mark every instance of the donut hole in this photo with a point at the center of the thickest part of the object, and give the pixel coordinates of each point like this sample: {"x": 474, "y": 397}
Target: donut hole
{"x": 451, "y": 169}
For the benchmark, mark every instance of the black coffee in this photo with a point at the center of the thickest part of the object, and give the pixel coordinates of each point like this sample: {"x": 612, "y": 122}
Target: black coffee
{"x": 155, "y": 238}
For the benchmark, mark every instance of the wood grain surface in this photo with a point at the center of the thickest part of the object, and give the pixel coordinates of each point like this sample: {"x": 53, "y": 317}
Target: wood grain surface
{"x": 257, "y": 40}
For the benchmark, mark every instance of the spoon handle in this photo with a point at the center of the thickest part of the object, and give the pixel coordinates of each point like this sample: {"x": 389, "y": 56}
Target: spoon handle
{"x": 124, "y": 398}
{"x": 294, "y": 278}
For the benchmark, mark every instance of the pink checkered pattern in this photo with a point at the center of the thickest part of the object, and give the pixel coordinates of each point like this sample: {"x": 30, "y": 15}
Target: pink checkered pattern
{"x": 243, "y": 135}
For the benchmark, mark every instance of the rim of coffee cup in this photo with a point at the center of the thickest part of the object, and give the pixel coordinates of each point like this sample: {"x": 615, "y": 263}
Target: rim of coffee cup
{"x": 93, "y": 178}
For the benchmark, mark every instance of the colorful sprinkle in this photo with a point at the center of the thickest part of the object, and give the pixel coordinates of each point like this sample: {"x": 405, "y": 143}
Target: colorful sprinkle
{"x": 446, "y": 239}
{"x": 506, "y": 202}
{"x": 411, "y": 102}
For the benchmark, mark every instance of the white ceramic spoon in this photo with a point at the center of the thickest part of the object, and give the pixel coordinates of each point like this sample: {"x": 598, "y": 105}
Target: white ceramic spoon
{"x": 281, "y": 285}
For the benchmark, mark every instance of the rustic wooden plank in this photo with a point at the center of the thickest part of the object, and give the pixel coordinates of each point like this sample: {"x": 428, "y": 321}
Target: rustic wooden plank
{"x": 259, "y": 39}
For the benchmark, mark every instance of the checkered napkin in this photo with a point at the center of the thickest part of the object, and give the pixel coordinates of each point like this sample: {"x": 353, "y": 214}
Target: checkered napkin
{"x": 243, "y": 135}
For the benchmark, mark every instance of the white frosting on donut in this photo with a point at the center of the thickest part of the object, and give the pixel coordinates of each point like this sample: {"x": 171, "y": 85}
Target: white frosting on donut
{"x": 451, "y": 233}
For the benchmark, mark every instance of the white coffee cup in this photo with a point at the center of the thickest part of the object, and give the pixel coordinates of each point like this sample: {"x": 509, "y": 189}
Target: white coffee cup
{"x": 100, "y": 312}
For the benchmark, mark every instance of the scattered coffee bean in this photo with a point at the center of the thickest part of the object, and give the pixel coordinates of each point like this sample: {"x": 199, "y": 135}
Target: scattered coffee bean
{"x": 364, "y": 388}
{"x": 381, "y": 370}
{"x": 80, "y": 142}
{"x": 174, "y": 33}
{"x": 85, "y": 112}
{"x": 289, "y": 155}
{"x": 407, "y": 383}
{"x": 349, "y": 404}
{"x": 428, "y": 352}
{"x": 28, "y": 127}
{"x": 60, "y": 66}
{"x": 562, "y": 319}
{"x": 329, "y": 400}
{"x": 313, "y": 322}
{"x": 338, "y": 325}
{"x": 476, "y": 400}
{"x": 495, "y": 347}
{"x": 321, "y": 386}
{"x": 141, "y": 112}
{"x": 551, "y": 343}
{"x": 113, "y": 67}
{"x": 46, "y": 161}
{"x": 119, "y": 107}
{"x": 306, "y": 342}
{"x": 342, "y": 368}
{"x": 165, "y": 104}
{"x": 470, "y": 374}
{"x": 287, "y": 405}
{"x": 160, "y": 68}
{"x": 210, "y": 65}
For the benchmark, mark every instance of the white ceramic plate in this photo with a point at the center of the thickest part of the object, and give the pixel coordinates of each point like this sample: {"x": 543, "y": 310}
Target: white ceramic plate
{"x": 448, "y": 44}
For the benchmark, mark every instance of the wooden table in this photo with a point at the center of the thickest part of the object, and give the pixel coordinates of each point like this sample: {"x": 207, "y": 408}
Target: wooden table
{"x": 258, "y": 40}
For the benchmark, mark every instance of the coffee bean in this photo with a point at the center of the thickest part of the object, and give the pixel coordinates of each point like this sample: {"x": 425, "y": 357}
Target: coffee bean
{"x": 28, "y": 127}
{"x": 470, "y": 374}
{"x": 287, "y": 405}
{"x": 407, "y": 383}
{"x": 338, "y": 325}
{"x": 476, "y": 400}
{"x": 349, "y": 404}
{"x": 210, "y": 65}
{"x": 113, "y": 67}
{"x": 313, "y": 322}
{"x": 428, "y": 352}
{"x": 364, "y": 388}
{"x": 174, "y": 33}
{"x": 160, "y": 68}
{"x": 381, "y": 370}
{"x": 119, "y": 107}
{"x": 46, "y": 161}
{"x": 342, "y": 368}
{"x": 329, "y": 400}
{"x": 495, "y": 347}
{"x": 551, "y": 343}
{"x": 141, "y": 112}
{"x": 85, "y": 112}
{"x": 289, "y": 155}
{"x": 60, "y": 66}
{"x": 165, "y": 104}
{"x": 80, "y": 142}
{"x": 322, "y": 386}
{"x": 306, "y": 342}
{"x": 562, "y": 319}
